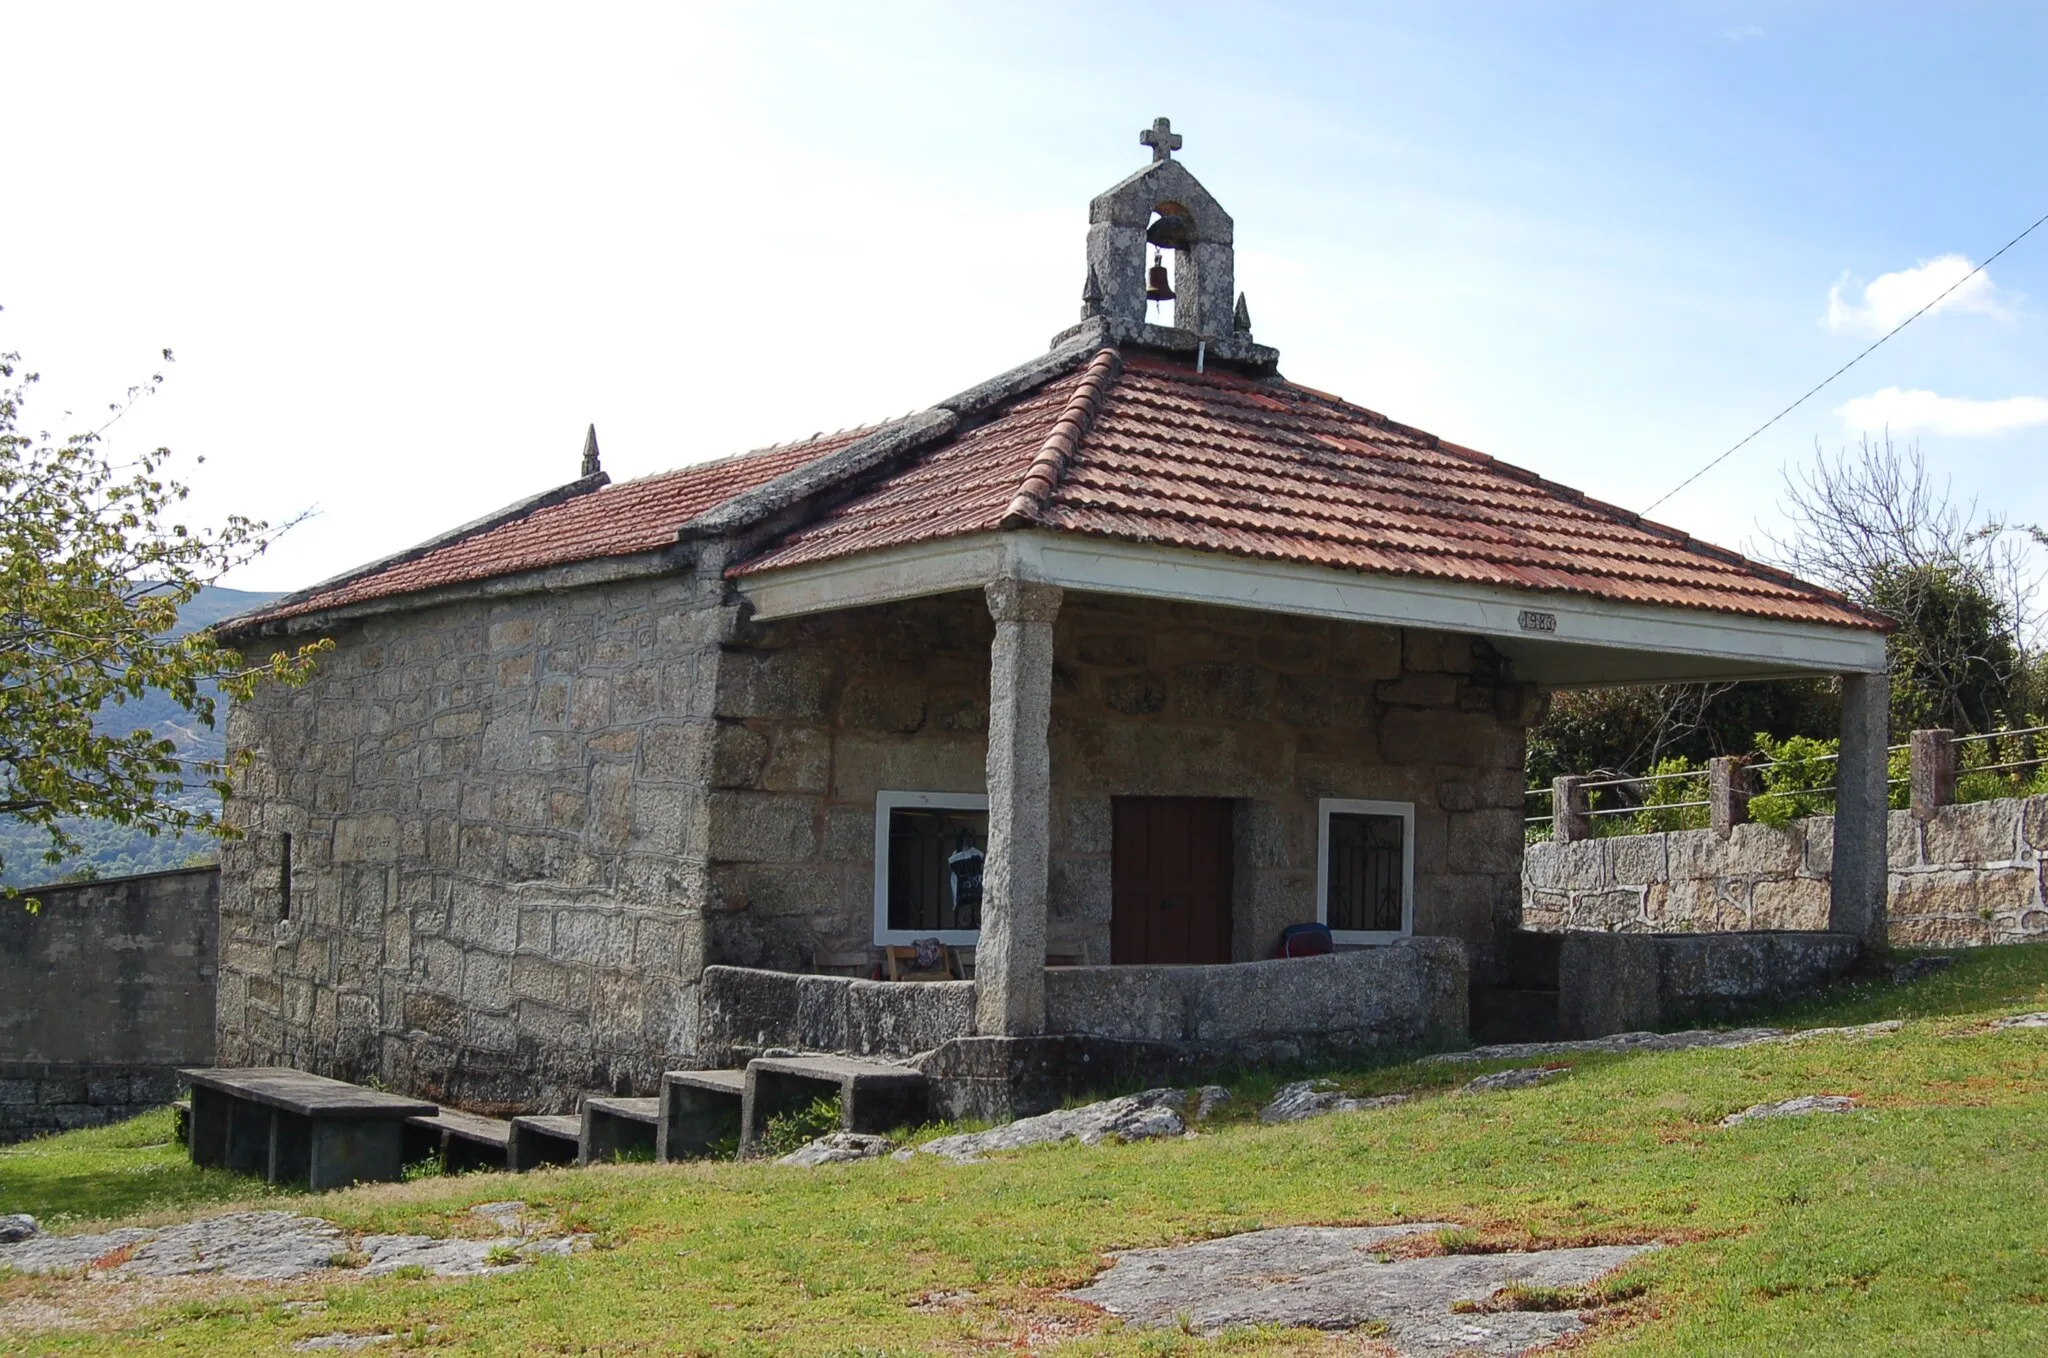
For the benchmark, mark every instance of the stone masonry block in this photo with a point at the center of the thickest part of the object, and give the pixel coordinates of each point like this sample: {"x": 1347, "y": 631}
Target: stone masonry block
{"x": 1974, "y": 833}
{"x": 479, "y": 918}
{"x": 1361, "y": 651}
{"x": 1419, "y": 690}
{"x": 365, "y": 839}
{"x": 1763, "y": 850}
{"x": 883, "y": 702}
{"x": 1640, "y": 859}
{"x": 756, "y": 827}
{"x": 2034, "y": 822}
{"x": 1794, "y": 903}
{"x": 1233, "y": 692}
{"x": 599, "y": 938}
{"x": 800, "y": 760}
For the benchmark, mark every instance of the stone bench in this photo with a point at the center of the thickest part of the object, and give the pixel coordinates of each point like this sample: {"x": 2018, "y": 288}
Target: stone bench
{"x": 873, "y": 1096}
{"x": 459, "y": 1141}
{"x": 613, "y": 1128}
{"x": 543, "y": 1139}
{"x": 699, "y": 1109}
{"x": 292, "y": 1127}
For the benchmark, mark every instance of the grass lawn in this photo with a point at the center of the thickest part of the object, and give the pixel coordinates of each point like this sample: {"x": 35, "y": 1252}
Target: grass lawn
{"x": 1916, "y": 1225}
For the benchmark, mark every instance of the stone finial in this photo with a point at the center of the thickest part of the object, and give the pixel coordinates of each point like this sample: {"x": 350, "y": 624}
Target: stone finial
{"x": 1161, "y": 137}
{"x": 1091, "y": 295}
{"x": 590, "y": 462}
{"x": 1241, "y": 319}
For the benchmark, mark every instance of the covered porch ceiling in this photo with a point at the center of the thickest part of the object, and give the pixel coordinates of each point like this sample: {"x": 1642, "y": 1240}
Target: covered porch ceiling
{"x": 1556, "y": 640}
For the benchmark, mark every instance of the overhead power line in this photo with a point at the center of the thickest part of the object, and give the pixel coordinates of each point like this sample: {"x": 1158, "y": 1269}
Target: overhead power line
{"x": 1846, "y": 366}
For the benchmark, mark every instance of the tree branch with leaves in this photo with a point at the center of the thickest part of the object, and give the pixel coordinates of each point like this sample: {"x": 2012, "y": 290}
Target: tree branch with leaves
{"x": 95, "y": 562}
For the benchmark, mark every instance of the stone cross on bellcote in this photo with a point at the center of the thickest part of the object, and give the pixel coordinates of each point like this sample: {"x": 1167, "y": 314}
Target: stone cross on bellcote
{"x": 1161, "y": 137}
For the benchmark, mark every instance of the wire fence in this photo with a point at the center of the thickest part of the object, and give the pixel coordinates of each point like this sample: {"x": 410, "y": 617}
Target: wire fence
{"x": 2015, "y": 766}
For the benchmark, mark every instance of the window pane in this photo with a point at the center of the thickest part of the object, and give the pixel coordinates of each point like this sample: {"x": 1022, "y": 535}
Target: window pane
{"x": 1364, "y": 872}
{"x": 935, "y": 860}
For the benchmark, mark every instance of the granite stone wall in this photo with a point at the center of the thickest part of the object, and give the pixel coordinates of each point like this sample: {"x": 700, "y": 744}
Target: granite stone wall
{"x": 817, "y": 715}
{"x": 1972, "y": 874}
{"x": 520, "y": 827}
{"x": 496, "y": 813}
{"x": 105, "y": 990}
{"x": 1409, "y": 994}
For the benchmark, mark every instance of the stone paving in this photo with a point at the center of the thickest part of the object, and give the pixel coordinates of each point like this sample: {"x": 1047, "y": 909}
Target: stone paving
{"x": 1624, "y": 1043}
{"x": 1134, "y": 1117}
{"x": 1792, "y": 1108}
{"x": 273, "y": 1247}
{"x": 1341, "y": 1278}
{"x": 1313, "y": 1098}
{"x": 1523, "y": 1077}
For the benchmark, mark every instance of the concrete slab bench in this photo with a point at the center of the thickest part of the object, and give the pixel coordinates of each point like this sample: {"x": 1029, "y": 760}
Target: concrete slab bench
{"x": 292, "y": 1127}
{"x": 699, "y": 1109}
{"x": 460, "y": 1141}
{"x": 543, "y": 1139}
{"x": 616, "y": 1127}
{"x": 873, "y": 1096}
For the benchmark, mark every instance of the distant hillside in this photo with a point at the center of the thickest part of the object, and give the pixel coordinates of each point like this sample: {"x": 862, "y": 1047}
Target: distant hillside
{"x": 114, "y": 850}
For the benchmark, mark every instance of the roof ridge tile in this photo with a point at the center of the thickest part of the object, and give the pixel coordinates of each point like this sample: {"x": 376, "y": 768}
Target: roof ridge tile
{"x": 1065, "y": 436}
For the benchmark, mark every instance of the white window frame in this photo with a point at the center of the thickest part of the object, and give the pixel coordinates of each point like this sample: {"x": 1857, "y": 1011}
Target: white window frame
{"x": 885, "y": 804}
{"x": 1406, "y": 811}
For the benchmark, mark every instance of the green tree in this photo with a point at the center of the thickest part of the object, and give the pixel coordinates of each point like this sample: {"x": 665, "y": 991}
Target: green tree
{"x": 1962, "y": 587}
{"x": 94, "y": 564}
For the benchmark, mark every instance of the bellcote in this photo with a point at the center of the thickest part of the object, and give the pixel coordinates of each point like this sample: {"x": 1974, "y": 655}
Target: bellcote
{"x": 1163, "y": 210}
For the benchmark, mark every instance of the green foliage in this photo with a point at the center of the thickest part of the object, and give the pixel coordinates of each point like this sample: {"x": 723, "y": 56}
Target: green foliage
{"x": 1953, "y": 658}
{"x": 786, "y": 1132}
{"x": 1625, "y": 731}
{"x": 94, "y": 568}
{"x": 1661, "y": 799}
{"x": 1799, "y": 780}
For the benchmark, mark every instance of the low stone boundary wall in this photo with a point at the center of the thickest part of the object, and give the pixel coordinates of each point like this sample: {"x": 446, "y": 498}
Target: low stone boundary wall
{"x": 1630, "y": 983}
{"x": 1965, "y": 876}
{"x": 105, "y": 991}
{"x": 1409, "y": 994}
{"x": 745, "y": 1012}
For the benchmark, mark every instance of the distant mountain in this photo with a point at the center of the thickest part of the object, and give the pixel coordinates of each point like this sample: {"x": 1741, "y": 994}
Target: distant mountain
{"x": 114, "y": 850}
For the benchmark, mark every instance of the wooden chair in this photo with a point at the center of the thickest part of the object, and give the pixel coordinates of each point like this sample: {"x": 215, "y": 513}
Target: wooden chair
{"x": 902, "y": 965}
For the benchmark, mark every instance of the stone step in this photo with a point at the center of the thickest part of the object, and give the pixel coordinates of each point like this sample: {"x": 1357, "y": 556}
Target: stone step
{"x": 461, "y": 1141}
{"x": 615, "y": 1127}
{"x": 873, "y": 1096}
{"x": 543, "y": 1139}
{"x": 700, "y": 1109}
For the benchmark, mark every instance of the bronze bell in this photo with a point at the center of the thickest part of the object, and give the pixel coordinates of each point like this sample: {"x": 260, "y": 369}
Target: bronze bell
{"x": 1157, "y": 289}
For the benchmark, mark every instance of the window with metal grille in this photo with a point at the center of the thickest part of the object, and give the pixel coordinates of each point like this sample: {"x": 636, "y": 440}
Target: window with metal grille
{"x": 929, "y": 853}
{"x": 1366, "y": 875}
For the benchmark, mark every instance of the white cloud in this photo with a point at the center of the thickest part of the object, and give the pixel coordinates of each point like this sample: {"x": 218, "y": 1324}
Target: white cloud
{"x": 1916, "y": 412}
{"x": 1743, "y": 34}
{"x": 1892, "y": 297}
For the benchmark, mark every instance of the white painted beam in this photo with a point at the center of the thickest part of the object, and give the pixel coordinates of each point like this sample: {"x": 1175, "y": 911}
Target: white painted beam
{"x": 1557, "y": 639}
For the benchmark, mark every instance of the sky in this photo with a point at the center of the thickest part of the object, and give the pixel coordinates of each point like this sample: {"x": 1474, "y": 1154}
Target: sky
{"x": 404, "y": 254}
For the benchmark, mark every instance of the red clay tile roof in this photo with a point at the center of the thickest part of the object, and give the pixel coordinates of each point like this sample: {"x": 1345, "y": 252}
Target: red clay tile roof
{"x": 1142, "y": 449}
{"x": 1277, "y": 471}
{"x": 617, "y": 520}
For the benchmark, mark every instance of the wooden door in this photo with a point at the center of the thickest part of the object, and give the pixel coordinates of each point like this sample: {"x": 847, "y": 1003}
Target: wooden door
{"x": 1169, "y": 880}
